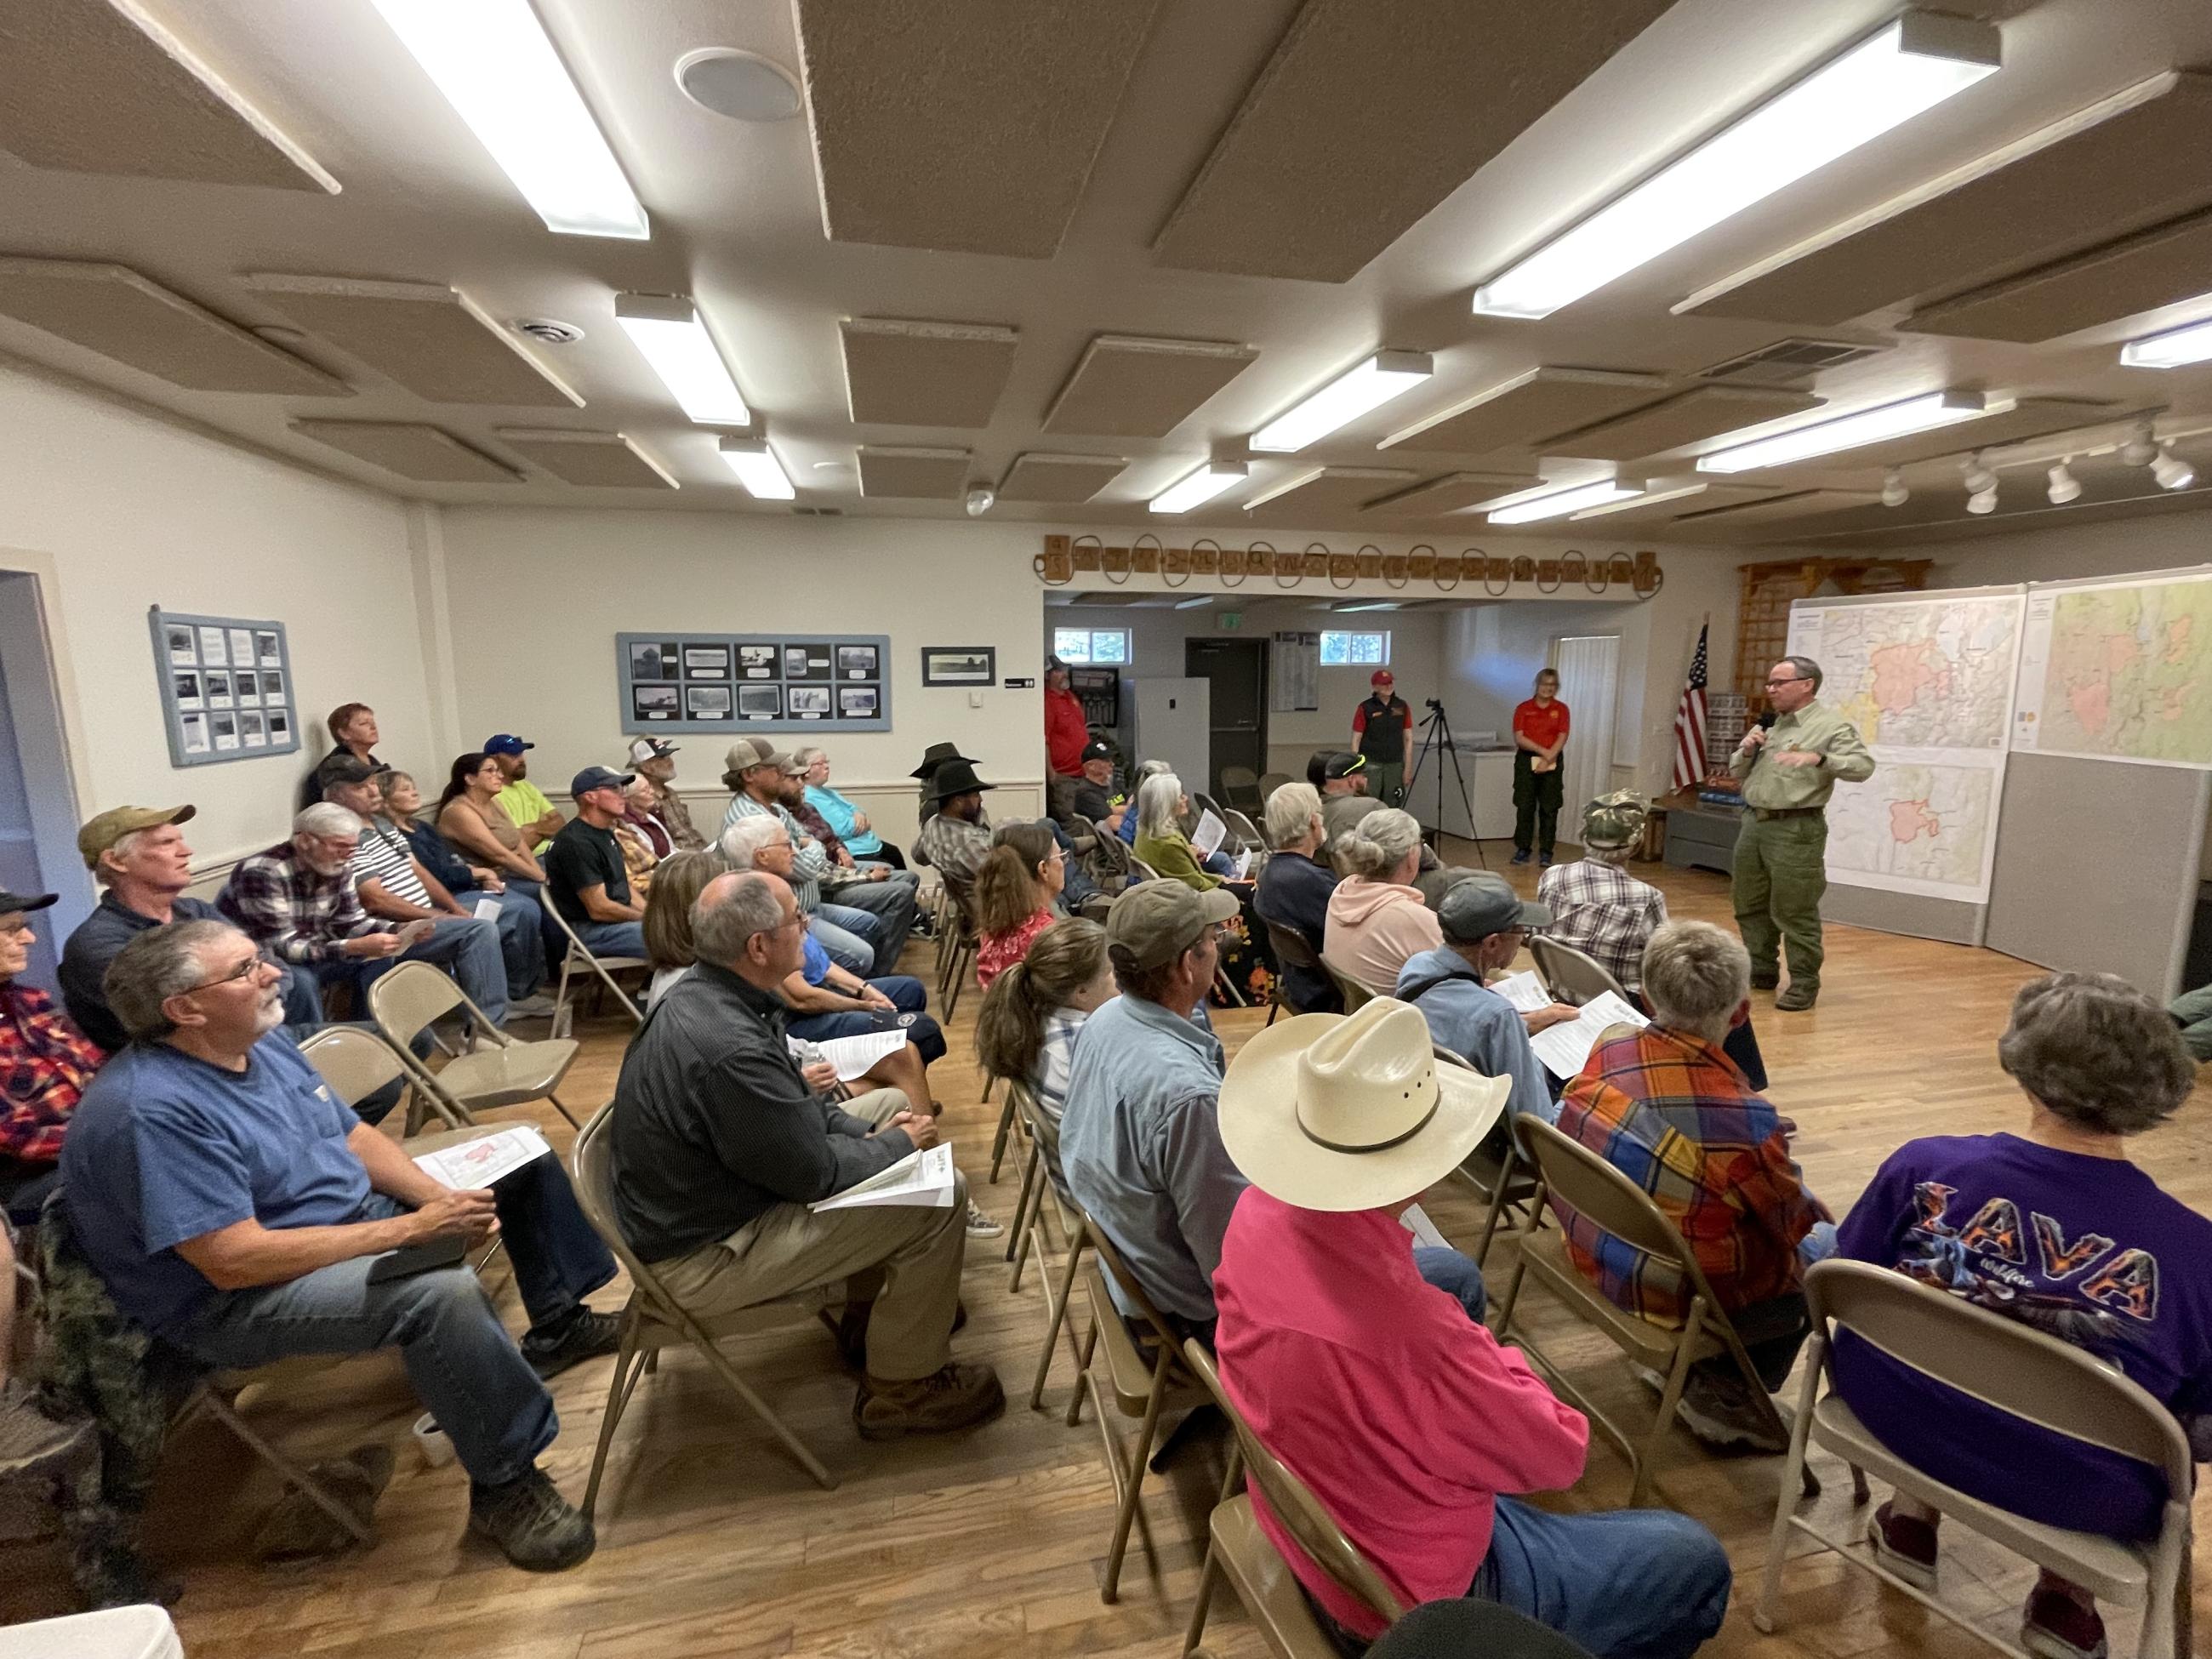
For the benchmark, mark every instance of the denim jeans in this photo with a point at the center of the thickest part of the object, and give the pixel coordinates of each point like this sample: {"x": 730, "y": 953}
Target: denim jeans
{"x": 1456, "y": 1275}
{"x": 908, "y": 995}
{"x": 1626, "y": 1583}
{"x": 891, "y": 905}
{"x": 521, "y": 922}
{"x": 1076, "y": 888}
{"x": 1773, "y": 1331}
{"x": 469, "y": 951}
{"x": 611, "y": 938}
{"x": 854, "y": 952}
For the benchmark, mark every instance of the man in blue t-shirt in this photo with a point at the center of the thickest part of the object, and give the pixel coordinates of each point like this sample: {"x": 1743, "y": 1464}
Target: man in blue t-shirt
{"x": 243, "y": 1213}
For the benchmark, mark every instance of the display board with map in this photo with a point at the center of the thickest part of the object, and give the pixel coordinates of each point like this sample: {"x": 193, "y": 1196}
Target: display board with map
{"x": 2119, "y": 670}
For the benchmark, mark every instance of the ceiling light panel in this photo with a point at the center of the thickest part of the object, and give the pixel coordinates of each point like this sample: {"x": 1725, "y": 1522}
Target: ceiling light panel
{"x": 1035, "y": 477}
{"x": 918, "y": 473}
{"x": 1688, "y": 417}
{"x": 1128, "y": 386}
{"x": 427, "y": 454}
{"x": 2126, "y": 278}
{"x": 1524, "y": 412}
{"x": 1652, "y": 497}
{"x": 757, "y": 469}
{"x": 2174, "y": 348}
{"x": 1283, "y": 194}
{"x": 600, "y": 460}
{"x": 913, "y": 374}
{"x": 671, "y": 336}
{"x": 495, "y": 66}
{"x": 1853, "y": 431}
{"x": 2030, "y": 417}
{"x": 1903, "y": 69}
{"x": 1194, "y": 489}
{"x": 432, "y": 339}
{"x": 1358, "y": 391}
{"x": 1560, "y": 503}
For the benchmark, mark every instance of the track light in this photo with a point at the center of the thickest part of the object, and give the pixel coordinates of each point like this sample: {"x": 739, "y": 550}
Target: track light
{"x": 1893, "y": 492}
{"x": 2064, "y": 486}
{"x": 1975, "y": 471}
{"x": 2171, "y": 470}
{"x": 980, "y": 500}
{"x": 1984, "y": 500}
{"x": 2142, "y": 449}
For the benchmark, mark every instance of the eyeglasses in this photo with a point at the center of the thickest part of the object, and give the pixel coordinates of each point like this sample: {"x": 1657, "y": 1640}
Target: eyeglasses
{"x": 1788, "y": 680}
{"x": 244, "y": 970}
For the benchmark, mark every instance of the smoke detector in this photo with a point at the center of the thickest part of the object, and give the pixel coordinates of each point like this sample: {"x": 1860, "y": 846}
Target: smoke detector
{"x": 742, "y": 85}
{"x": 548, "y": 330}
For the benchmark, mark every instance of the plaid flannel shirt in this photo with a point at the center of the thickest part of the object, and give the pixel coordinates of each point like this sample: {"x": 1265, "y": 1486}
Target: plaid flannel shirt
{"x": 955, "y": 844}
{"x": 1603, "y": 912}
{"x": 1671, "y": 1112}
{"x": 286, "y": 905}
{"x": 45, "y": 1064}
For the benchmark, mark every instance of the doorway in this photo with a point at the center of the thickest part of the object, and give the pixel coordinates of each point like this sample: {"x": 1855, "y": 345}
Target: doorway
{"x": 1589, "y": 669}
{"x": 37, "y": 803}
{"x": 1237, "y": 725}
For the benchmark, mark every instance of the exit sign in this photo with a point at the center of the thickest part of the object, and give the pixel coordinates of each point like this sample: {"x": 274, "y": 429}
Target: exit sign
{"x": 1229, "y": 621}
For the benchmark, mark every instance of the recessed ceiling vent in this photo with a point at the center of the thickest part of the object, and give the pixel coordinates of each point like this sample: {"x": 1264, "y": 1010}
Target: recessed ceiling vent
{"x": 548, "y": 331}
{"x": 818, "y": 512}
{"x": 1787, "y": 362}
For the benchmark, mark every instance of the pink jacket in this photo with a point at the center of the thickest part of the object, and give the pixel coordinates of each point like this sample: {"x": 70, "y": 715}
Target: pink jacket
{"x": 1373, "y": 926}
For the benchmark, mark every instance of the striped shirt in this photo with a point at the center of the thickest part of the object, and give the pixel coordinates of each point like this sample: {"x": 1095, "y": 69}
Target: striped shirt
{"x": 807, "y": 859}
{"x": 382, "y": 856}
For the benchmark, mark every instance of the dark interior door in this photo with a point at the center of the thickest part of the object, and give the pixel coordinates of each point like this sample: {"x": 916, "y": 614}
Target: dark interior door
{"x": 1238, "y": 671}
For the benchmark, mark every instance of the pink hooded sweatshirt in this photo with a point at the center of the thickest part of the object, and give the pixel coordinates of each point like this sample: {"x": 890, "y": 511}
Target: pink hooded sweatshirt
{"x": 1373, "y": 926}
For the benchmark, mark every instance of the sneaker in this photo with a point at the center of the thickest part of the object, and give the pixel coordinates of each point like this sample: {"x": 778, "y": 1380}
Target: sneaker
{"x": 586, "y": 1336}
{"x": 1766, "y": 979}
{"x": 1796, "y": 998}
{"x": 539, "y": 1006}
{"x": 1544, "y": 859}
{"x": 1905, "y": 1544}
{"x": 2055, "y": 1625}
{"x": 1650, "y": 1378}
{"x": 535, "y": 1527}
{"x": 980, "y": 1225}
{"x": 1521, "y": 857}
{"x": 952, "y": 1397}
{"x": 1720, "y": 1410}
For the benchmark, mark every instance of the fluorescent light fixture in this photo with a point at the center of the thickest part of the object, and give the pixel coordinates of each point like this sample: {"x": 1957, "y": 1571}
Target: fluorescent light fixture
{"x": 2172, "y": 350}
{"x": 492, "y": 60}
{"x": 1561, "y": 502}
{"x": 1193, "y": 604}
{"x": 1652, "y": 494}
{"x": 1372, "y": 604}
{"x": 757, "y": 469}
{"x": 1197, "y": 488}
{"x": 1910, "y": 66}
{"x": 1283, "y": 486}
{"x": 1368, "y": 385}
{"x": 669, "y": 332}
{"x": 1867, "y": 426}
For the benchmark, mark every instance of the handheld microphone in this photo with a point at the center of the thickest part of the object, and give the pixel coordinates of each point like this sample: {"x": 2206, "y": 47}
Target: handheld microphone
{"x": 1766, "y": 721}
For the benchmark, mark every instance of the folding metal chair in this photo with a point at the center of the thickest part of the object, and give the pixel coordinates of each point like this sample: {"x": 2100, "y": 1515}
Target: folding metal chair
{"x": 967, "y": 941}
{"x": 413, "y": 996}
{"x": 1574, "y": 976}
{"x": 1270, "y": 782}
{"x": 1356, "y": 996}
{"x": 579, "y": 958}
{"x": 357, "y": 1061}
{"x": 1293, "y": 949}
{"x": 1240, "y": 785}
{"x": 1494, "y": 1171}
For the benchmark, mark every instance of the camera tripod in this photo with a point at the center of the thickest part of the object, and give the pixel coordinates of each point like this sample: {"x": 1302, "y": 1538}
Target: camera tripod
{"x": 1437, "y": 735}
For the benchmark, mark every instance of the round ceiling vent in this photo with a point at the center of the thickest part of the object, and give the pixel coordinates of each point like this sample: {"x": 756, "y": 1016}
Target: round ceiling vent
{"x": 548, "y": 331}
{"x": 741, "y": 85}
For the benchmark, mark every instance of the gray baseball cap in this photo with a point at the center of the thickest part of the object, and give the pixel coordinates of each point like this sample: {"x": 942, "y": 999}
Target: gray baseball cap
{"x": 1482, "y": 904}
{"x": 1155, "y": 922}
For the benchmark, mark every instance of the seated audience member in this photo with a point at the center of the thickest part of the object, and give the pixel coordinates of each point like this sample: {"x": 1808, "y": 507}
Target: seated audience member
{"x": 236, "y": 1209}
{"x": 1669, "y": 1109}
{"x": 585, "y": 876}
{"x": 1294, "y": 890}
{"x": 1146, "y": 770}
{"x": 1483, "y": 922}
{"x": 956, "y": 835}
{"x": 654, "y": 759}
{"x": 638, "y": 813}
{"x": 1343, "y": 797}
{"x": 846, "y": 821}
{"x": 46, "y": 1063}
{"x": 520, "y": 922}
{"x": 720, "y": 1140}
{"x": 353, "y": 732}
{"x": 523, "y": 801}
{"x": 1376, "y": 919}
{"x": 1248, "y": 962}
{"x": 2192, "y": 1011}
{"x": 640, "y": 855}
{"x": 473, "y": 823}
{"x": 1094, "y": 797}
{"x": 937, "y": 755}
{"x": 754, "y": 771}
{"x": 666, "y": 923}
{"x": 2055, "y": 1227}
{"x": 1016, "y": 896}
{"x": 1033, "y": 1011}
{"x": 1412, "y": 1424}
{"x": 887, "y": 895}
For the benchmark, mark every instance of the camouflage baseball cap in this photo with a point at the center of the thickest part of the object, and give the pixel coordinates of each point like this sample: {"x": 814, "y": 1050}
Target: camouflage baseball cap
{"x": 1614, "y": 820}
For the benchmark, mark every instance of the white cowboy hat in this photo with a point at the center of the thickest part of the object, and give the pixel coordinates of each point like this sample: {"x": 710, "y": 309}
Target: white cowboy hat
{"x": 1337, "y": 1112}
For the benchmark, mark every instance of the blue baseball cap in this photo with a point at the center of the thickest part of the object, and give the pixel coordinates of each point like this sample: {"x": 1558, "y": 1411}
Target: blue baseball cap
{"x": 506, "y": 743}
{"x": 597, "y": 777}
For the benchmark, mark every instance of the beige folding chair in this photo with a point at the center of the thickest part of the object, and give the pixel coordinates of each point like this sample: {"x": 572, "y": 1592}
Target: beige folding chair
{"x": 1270, "y": 782}
{"x": 411, "y": 997}
{"x": 654, "y": 1319}
{"x": 579, "y": 959}
{"x": 1572, "y": 975}
{"x": 1039, "y": 1197}
{"x": 2017, "y": 1369}
{"x": 1356, "y": 996}
{"x": 1494, "y": 1171}
{"x": 357, "y": 1061}
{"x": 1246, "y": 833}
{"x": 218, "y": 1395}
{"x": 1568, "y": 1172}
{"x": 1241, "y": 1552}
{"x": 967, "y": 940}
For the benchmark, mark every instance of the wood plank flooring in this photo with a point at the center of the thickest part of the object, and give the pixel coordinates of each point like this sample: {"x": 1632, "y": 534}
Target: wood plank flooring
{"x": 713, "y": 1544}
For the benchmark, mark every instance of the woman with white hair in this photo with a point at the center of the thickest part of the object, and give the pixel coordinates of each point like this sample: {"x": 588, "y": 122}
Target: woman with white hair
{"x": 1376, "y": 918}
{"x": 1294, "y": 889}
{"x": 1246, "y": 960}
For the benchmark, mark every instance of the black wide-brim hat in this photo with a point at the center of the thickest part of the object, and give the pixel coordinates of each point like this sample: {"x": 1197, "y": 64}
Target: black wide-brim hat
{"x": 936, "y": 756}
{"x": 957, "y": 777}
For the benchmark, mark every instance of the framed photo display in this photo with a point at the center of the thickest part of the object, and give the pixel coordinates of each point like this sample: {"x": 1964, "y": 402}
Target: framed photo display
{"x": 226, "y": 686}
{"x": 751, "y": 683}
{"x": 960, "y": 665}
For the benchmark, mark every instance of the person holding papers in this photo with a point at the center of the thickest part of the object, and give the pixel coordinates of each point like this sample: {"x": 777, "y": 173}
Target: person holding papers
{"x": 241, "y": 1212}
{"x": 720, "y": 1141}
{"x": 1667, "y": 1109}
{"x": 1483, "y": 922}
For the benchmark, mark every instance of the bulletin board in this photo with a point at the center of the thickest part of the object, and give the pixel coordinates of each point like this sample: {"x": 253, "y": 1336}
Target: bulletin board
{"x": 226, "y": 686}
{"x": 747, "y": 682}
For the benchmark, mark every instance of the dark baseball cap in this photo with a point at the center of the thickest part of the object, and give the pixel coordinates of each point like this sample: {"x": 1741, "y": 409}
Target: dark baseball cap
{"x": 349, "y": 768}
{"x": 597, "y": 777}
{"x": 1342, "y": 765}
{"x": 1098, "y": 749}
{"x": 1482, "y": 904}
{"x": 506, "y": 742}
{"x": 23, "y": 903}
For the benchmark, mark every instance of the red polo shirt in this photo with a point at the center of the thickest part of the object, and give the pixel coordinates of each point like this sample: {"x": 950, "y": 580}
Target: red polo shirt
{"x": 1065, "y": 732}
{"x": 1543, "y": 724}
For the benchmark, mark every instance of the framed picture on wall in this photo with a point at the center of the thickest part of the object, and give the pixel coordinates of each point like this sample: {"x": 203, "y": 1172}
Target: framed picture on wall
{"x": 706, "y": 703}
{"x": 959, "y": 664}
{"x": 221, "y": 682}
{"x": 707, "y": 682}
{"x": 760, "y": 703}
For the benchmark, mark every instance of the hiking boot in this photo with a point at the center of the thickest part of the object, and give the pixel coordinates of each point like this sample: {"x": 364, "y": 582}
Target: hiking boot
{"x": 2056, "y": 1626}
{"x": 586, "y": 1336}
{"x": 1905, "y": 1544}
{"x": 1720, "y": 1410}
{"x": 535, "y": 1527}
{"x": 980, "y": 1225}
{"x": 1766, "y": 979}
{"x": 1796, "y": 998}
{"x": 954, "y": 1396}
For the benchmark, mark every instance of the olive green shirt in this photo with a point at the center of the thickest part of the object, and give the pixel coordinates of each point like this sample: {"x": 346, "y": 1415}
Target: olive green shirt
{"x": 1844, "y": 758}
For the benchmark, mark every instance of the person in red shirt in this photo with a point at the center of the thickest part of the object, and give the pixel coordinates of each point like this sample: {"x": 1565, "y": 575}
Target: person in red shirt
{"x": 45, "y": 1064}
{"x": 1381, "y": 727}
{"x": 1408, "y": 1421}
{"x": 1066, "y": 731}
{"x": 1540, "y": 732}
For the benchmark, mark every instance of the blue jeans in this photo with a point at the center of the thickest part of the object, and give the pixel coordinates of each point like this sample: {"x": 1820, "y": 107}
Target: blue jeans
{"x": 521, "y": 935}
{"x": 890, "y": 905}
{"x": 908, "y": 995}
{"x": 1456, "y": 1275}
{"x": 1077, "y": 886}
{"x": 469, "y": 951}
{"x": 851, "y": 951}
{"x": 611, "y": 938}
{"x": 1625, "y": 1583}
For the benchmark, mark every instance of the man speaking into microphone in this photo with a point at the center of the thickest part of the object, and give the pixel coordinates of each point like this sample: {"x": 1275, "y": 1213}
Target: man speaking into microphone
{"x": 1790, "y": 764}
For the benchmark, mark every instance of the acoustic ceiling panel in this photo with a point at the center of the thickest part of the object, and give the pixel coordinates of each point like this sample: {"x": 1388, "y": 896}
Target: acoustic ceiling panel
{"x": 2147, "y": 163}
{"x": 1058, "y": 477}
{"x": 1701, "y": 412}
{"x": 1334, "y": 489}
{"x": 2125, "y": 278}
{"x": 1124, "y": 386}
{"x": 903, "y": 373}
{"x": 968, "y": 126}
{"x": 932, "y": 474}
{"x": 432, "y": 339}
{"x": 97, "y": 86}
{"x": 602, "y": 460}
{"x": 425, "y": 454}
{"x": 1775, "y": 509}
{"x": 114, "y": 310}
{"x": 1527, "y": 409}
{"x": 1450, "y": 493}
{"x": 1439, "y": 87}
{"x": 2031, "y": 417}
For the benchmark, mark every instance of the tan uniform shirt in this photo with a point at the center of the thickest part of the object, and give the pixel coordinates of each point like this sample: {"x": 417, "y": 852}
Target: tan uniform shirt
{"x": 1843, "y": 758}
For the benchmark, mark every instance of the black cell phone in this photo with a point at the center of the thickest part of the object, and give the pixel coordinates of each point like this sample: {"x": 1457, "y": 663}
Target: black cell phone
{"x": 410, "y": 1259}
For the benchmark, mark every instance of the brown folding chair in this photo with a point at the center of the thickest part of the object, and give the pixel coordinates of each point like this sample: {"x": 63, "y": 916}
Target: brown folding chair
{"x": 2017, "y": 1369}
{"x": 1356, "y": 996}
{"x": 967, "y": 939}
{"x": 1568, "y": 1172}
{"x": 412, "y": 997}
{"x": 1574, "y": 976}
{"x": 1043, "y": 1198}
{"x": 578, "y": 960}
{"x": 1293, "y": 949}
{"x": 1240, "y": 787}
{"x": 1241, "y": 1552}
{"x": 1494, "y": 1170}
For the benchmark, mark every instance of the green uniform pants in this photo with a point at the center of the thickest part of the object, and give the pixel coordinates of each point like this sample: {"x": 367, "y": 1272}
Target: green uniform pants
{"x": 1386, "y": 782}
{"x": 1781, "y": 871}
{"x": 2192, "y": 1012}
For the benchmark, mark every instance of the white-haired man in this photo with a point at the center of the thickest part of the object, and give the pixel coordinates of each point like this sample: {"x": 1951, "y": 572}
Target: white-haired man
{"x": 1295, "y": 888}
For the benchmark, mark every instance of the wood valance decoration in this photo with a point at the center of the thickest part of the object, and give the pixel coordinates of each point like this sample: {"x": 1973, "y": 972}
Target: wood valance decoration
{"x": 1630, "y": 575}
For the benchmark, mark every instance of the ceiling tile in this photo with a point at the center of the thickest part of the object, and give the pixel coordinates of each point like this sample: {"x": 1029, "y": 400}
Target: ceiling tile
{"x": 1334, "y": 489}
{"x": 425, "y": 454}
{"x": 1689, "y": 416}
{"x": 1124, "y": 386}
{"x": 86, "y": 88}
{"x": 934, "y": 474}
{"x": 1058, "y": 477}
{"x": 2124, "y": 278}
{"x": 909, "y": 374}
{"x": 963, "y": 126}
{"x": 604, "y": 460}
{"x": 1450, "y": 493}
{"x": 1429, "y": 91}
{"x": 2131, "y": 170}
{"x": 432, "y": 339}
{"x": 114, "y": 310}
{"x": 1527, "y": 409}
{"x": 1774, "y": 509}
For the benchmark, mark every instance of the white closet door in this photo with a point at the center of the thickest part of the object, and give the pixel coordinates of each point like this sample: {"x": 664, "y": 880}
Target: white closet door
{"x": 1588, "y": 667}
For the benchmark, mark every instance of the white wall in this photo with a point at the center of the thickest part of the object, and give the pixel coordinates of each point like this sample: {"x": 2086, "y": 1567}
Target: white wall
{"x": 2062, "y": 552}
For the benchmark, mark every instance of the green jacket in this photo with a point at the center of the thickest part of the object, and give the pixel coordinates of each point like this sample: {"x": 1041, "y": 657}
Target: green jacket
{"x": 1843, "y": 758}
{"x": 1176, "y": 859}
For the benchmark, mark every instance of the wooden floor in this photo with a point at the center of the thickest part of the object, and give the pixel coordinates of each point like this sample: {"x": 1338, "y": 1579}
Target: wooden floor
{"x": 713, "y": 1543}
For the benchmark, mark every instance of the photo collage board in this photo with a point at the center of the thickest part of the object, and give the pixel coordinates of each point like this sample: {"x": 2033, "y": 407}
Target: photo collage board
{"x": 226, "y": 688}
{"x": 755, "y": 681}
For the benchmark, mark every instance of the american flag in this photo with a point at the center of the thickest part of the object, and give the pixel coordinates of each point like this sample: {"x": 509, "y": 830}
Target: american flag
{"x": 1690, "y": 723}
